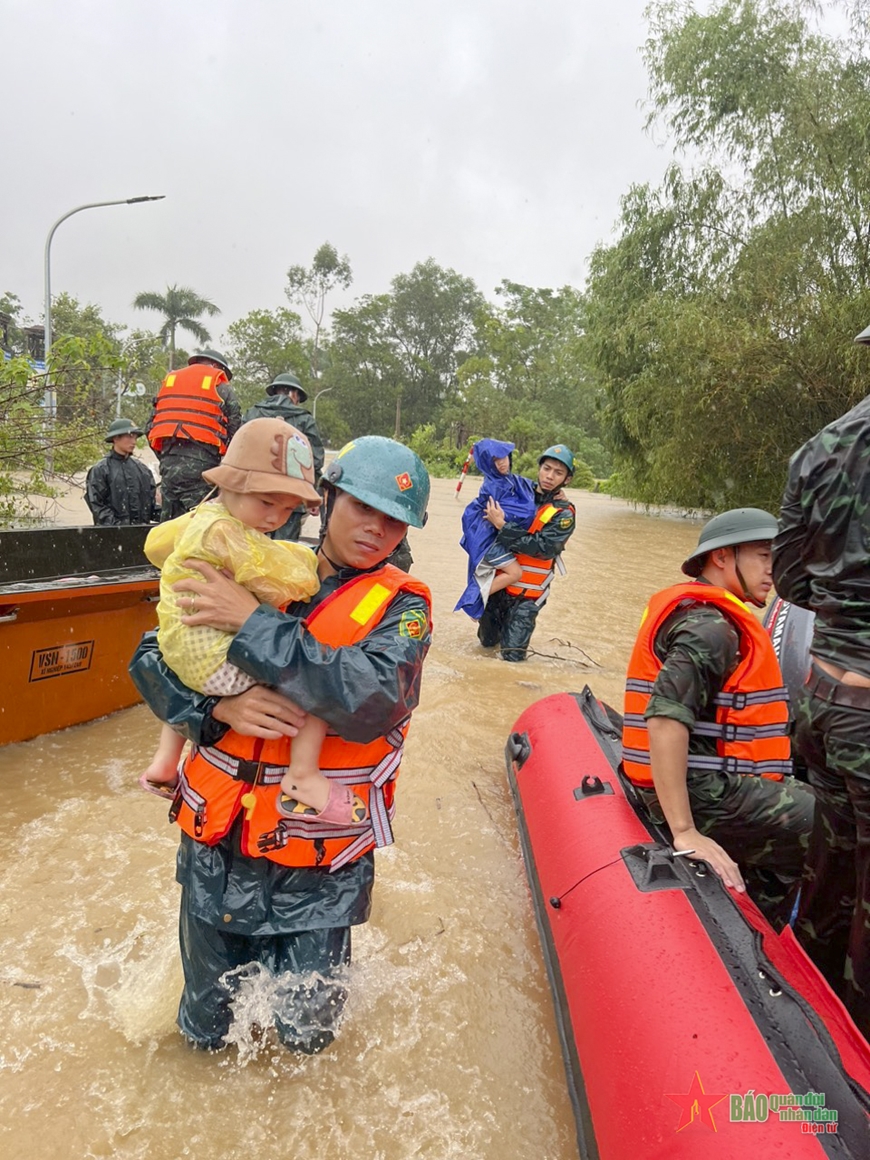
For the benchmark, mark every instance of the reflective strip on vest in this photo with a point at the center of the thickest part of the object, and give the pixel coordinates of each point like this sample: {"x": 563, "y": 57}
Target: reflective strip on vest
{"x": 370, "y": 603}
{"x": 751, "y": 726}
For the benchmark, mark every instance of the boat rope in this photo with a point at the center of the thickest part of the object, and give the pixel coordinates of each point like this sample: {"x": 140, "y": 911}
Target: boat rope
{"x": 556, "y": 900}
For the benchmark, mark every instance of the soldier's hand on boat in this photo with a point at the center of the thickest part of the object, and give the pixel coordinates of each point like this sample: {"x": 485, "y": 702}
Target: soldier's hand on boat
{"x": 704, "y": 849}
{"x": 260, "y": 712}
{"x": 216, "y": 600}
{"x": 494, "y": 513}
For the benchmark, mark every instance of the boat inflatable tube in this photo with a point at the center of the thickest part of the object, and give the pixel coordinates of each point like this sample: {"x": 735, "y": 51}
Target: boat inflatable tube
{"x": 688, "y": 1027}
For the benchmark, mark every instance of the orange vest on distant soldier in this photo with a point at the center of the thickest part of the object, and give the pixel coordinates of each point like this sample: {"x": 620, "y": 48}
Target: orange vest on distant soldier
{"x": 188, "y": 406}
{"x": 238, "y": 774}
{"x": 751, "y": 726}
{"x": 537, "y": 573}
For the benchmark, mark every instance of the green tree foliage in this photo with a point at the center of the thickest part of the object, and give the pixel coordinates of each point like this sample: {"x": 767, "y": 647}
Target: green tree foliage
{"x": 310, "y": 286}
{"x": 719, "y": 324}
{"x": 182, "y": 308}
{"x": 395, "y": 358}
{"x": 263, "y": 344}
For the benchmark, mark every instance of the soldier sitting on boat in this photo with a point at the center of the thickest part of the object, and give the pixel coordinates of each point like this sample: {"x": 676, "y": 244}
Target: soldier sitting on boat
{"x": 705, "y": 734}
{"x": 120, "y": 489}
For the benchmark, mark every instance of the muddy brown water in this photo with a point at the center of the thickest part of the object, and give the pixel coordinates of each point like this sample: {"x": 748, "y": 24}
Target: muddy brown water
{"x": 449, "y": 1047}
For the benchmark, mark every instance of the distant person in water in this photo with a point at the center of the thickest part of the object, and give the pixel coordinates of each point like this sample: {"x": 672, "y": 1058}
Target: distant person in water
{"x": 509, "y": 616}
{"x": 491, "y": 566}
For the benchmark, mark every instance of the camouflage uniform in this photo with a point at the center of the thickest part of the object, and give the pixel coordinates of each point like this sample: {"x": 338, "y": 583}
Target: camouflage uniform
{"x": 281, "y": 406}
{"x": 762, "y": 823}
{"x": 821, "y": 563}
{"x": 182, "y": 462}
{"x": 510, "y": 620}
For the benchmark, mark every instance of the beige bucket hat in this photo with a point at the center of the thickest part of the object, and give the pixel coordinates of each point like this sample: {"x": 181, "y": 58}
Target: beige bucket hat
{"x": 267, "y": 455}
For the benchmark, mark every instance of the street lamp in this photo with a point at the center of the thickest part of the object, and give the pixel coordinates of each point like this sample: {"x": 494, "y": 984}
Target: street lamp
{"x": 50, "y": 395}
{"x": 316, "y": 397}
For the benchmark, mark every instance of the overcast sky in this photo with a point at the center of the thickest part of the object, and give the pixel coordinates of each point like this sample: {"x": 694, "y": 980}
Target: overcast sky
{"x": 495, "y": 136}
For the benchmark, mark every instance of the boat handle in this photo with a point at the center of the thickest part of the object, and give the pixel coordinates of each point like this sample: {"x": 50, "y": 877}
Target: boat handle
{"x": 10, "y": 616}
{"x": 150, "y": 599}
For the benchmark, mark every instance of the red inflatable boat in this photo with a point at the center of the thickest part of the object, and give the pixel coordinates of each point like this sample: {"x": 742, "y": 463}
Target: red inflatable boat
{"x": 689, "y": 1028}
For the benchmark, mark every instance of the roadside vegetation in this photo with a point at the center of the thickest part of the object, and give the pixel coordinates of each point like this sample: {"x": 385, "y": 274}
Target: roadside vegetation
{"x": 712, "y": 337}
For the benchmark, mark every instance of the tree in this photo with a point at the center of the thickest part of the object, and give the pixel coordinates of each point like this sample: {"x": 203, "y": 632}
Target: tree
{"x": 719, "y": 323}
{"x": 263, "y": 344}
{"x": 311, "y": 285}
{"x": 181, "y": 307}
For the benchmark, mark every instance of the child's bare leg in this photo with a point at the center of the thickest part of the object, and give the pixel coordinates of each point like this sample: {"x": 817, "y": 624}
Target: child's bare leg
{"x": 306, "y": 793}
{"x": 163, "y": 767}
{"x": 510, "y": 574}
{"x": 303, "y": 780}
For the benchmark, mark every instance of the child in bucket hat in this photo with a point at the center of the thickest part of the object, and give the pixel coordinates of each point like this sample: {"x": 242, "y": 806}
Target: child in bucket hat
{"x": 267, "y": 470}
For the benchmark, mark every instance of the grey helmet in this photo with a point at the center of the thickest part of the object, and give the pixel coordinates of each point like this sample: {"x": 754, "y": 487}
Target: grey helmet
{"x": 211, "y": 356}
{"x": 122, "y": 427}
{"x": 727, "y": 530}
{"x": 287, "y": 382}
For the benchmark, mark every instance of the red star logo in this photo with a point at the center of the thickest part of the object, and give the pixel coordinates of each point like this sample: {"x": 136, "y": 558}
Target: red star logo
{"x": 404, "y": 481}
{"x": 696, "y": 1103}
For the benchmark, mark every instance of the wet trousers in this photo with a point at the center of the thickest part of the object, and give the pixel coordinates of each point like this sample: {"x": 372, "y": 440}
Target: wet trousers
{"x": 508, "y": 621}
{"x": 833, "y": 923}
{"x": 181, "y": 484}
{"x": 307, "y": 1007}
{"x": 764, "y": 825}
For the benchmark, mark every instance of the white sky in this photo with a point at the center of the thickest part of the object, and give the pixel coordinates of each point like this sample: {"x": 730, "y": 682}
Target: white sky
{"x": 495, "y": 136}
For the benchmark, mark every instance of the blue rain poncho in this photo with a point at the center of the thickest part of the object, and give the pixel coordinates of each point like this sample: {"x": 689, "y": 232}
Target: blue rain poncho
{"x": 517, "y": 498}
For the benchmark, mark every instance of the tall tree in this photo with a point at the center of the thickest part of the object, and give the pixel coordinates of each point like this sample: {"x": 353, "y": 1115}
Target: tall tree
{"x": 719, "y": 323}
{"x": 310, "y": 287}
{"x": 263, "y": 344}
{"x": 182, "y": 308}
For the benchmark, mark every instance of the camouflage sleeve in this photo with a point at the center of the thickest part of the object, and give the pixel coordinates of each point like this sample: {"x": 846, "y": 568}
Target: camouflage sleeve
{"x": 232, "y": 409}
{"x": 790, "y": 574}
{"x": 545, "y": 544}
{"x": 700, "y": 648}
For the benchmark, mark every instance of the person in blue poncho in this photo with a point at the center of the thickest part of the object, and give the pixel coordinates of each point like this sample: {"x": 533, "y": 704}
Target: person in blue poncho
{"x": 491, "y": 567}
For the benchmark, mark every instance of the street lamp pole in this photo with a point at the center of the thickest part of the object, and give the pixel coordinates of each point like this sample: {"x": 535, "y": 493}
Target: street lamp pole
{"x": 316, "y": 397}
{"x": 50, "y": 395}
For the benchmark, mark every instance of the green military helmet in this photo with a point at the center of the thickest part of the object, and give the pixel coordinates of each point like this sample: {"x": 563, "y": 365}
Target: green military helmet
{"x": 122, "y": 427}
{"x": 212, "y": 356}
{"x": 728, "y": 530}
{"x": 561, "y": 453}
{"x": 287, "y": 382}
{"x": 384, "y": 474}
{"x": 863, "y": 337}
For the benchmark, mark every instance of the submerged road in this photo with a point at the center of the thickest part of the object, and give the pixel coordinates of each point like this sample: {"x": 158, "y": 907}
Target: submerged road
{"x": 449, "y": 1049}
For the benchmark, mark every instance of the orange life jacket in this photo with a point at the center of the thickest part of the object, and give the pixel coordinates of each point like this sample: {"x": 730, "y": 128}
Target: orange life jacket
{"x": 217, "y": 782}
{"x": 751, "y": 726}
{"x": 537, "y": 573}
{"x": 188, "y": 406}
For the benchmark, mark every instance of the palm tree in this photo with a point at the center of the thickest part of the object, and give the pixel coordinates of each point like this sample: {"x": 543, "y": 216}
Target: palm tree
{"x": 181, "y": 306}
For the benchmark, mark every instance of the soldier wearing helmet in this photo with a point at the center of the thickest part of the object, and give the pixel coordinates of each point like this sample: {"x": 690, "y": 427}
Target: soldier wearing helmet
{"x": 259, "y": 887}
{"x": 820, "y": 562}
{"x": 285, "y": 394}
{"x": 194, "y": 417}
{"x": 509, "y": 616}
{"x": 706, "y": 726}
{"x": 120, "y": 489}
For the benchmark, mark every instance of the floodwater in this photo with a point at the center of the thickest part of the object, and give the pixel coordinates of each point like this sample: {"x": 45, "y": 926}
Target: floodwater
{"x": 449, "y": 1047}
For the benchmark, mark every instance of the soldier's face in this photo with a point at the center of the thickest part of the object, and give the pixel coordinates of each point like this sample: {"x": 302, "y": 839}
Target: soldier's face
{"x": 551, "y": 474}
{"x": 755, "y": 562}
{"x": 124, "y": 444}
{"x": 359, "y": 536}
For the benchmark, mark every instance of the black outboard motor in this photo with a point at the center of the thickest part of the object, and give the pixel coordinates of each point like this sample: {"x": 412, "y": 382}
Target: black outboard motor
{"x": 791, "y": 630}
